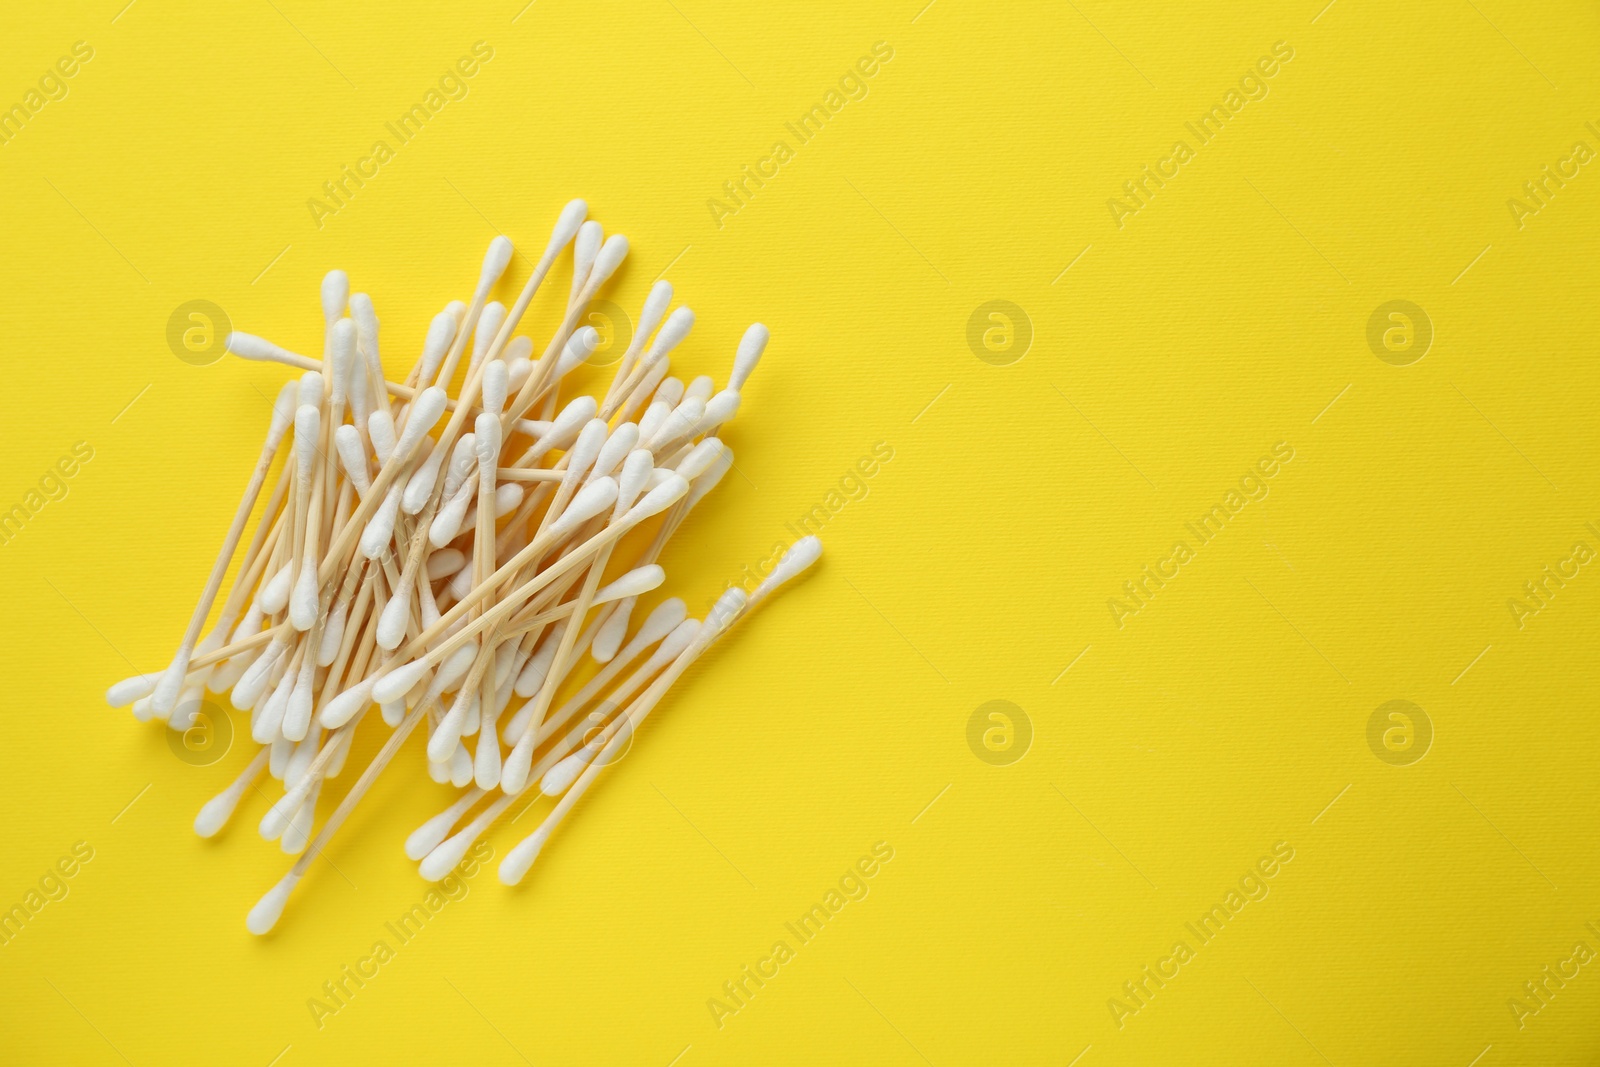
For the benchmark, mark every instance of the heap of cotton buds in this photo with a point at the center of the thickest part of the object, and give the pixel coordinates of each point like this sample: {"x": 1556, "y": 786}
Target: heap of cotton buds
{"x": 440, "y": 575}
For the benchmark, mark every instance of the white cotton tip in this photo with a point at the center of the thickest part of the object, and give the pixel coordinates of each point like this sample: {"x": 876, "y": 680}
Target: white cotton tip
{"x": 304, "y": 601}
{"x": 511, "y": 731}
{"x": 298, "y": 833}
{"x": 332, "y": 633}
{"x": 616, "y": 449}
{"x": 568, "y": 424}
{"x": 558, "y": 778}
{"x": 342, "y": 708}
{"x": 515, "y": 866}
{"x": 636, "y": 471}
{"x": 442, "y": 860}
{"x": 719, "y": 409}
{"x": 278, "y": 758}
{"x": 392, "y": 622}
{"x": 310, "y": 389}
{"x": 375, "y": 536}
{"x": 366, "y": 319}
{"x": 393, "y": 712}
{"x": 447, "y": 735}
{"x": 590, "y": 501}
{"x": 584, "y": 251}
{"x": 344, "y": 359}
{"x": 456, "y": 665}
{"x": 265, "y": 729}
{"x": 586, "y": 449}
{"x": 608, "y": 639}
{"x": 463, "y": 461}
{"x": 495, "y": 262}
{"x": 612, "y": 253}
{"x": 275, "y": 594}
{"x": 669, "y": 392}
{"x": 486, "y": 759}
{"x": 486, "y": 443}
{"x": 307, "y": 423}
{"x": 249, "y": 346}
{"x": 427, "y": 837}
{"x": 519, "y": 763}
{"x": 647, "y": 385}
{"x": 247, "y": 690}
{"x": 380, "y": 431}
{"x": 658, "y": 499}
{"x": 672, "y": 646}
{"x": 728, "y": 606}
{"x": 396, "y": 683}
{"x": 651, "y": 421}
{"x": 681, "y": 423}
{"x": 142, "y": 711}
{"x": 439, "y": 772}
{"x": 636, "y": 582}
{"x": 567, "y": 226}
{"x": 713, "y": 475}
{"x": 700, "y": 458}
{"x": 419, "y": 488}
{"x": 447, "y": 522}
{"x": 335, "y": 294}
{"x": 655, "y": 307}
{"x": 580, "y": 346}
{"x": 462, "y": 583}
{"x": 215, "y": 813}
{"x": 701, "y": 388}
{"x": 128, "y": 690}
{"x": 673, "y": 331}
{"x": 496, "y": 383}
{"x": 506, "y": 499}
{"x": 425, "y": 412}
{"x": 457, "y": 310}
{"x": 228, "y": 673}
{"x": 294, "y": 776}
{"x": 518, "y": 371}
{"x": 264, "y": 916}
{"x": 460, "y": 766}
{"x": 441, "y": 331}
{"x": 494, "y": 313}
{"x": 531, "y": 680}
{"x": 751, "y": 346}
{"x": 802, "y": 554}
{"x": 282, "y": 413}
{"x": 518, "y": 356}
{"x": 352, "y": 457}
{"x": 276, "y": 820}
{"x": 186, "y": 708}
{"x": 667, "y": 616}
{"x": 444, "y": 563}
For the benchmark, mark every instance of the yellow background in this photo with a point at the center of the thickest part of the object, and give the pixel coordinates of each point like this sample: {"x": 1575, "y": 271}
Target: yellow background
{"x": 1228, "y": 715}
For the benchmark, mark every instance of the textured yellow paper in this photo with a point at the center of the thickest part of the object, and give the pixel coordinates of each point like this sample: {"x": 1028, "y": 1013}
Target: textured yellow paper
{"x": 1195, "y": 338}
